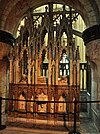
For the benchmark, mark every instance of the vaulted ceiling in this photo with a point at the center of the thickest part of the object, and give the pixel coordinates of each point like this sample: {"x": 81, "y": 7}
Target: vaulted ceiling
{"x": 11, "y": 11}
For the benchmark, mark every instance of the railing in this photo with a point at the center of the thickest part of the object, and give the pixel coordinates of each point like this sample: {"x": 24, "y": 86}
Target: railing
{"x": 74, "y": 130}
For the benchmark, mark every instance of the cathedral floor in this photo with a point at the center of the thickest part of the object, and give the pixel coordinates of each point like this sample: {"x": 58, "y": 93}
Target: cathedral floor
{"x": 86, "y": 127}
{"x": 14, "y": 130}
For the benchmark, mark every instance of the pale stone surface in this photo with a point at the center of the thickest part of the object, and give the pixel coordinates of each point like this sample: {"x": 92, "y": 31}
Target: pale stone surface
{"x": 14, "y": 10}
{"x": 93, "y": 56}
{"x": 11, "y": 130}
{"x": 87, "y": 127}
{"x": 4, "y": 50}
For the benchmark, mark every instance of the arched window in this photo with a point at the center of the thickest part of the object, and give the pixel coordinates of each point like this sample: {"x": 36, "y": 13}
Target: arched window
{"x": 25, "y": 62}
{"x": 64, "y": 64}
{"x": 44, "y": 37}
{"x": 25, "y": 38}
{"x": 44, "y": 65}
{"x": 64, "y": 39}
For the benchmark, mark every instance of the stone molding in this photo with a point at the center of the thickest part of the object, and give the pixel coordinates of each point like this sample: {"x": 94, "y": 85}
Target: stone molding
{"x": 93, "y": 56}
{"x": 7, "y": 38}
{"x": 91, "y": 33}
{"x": 93, "y": 51}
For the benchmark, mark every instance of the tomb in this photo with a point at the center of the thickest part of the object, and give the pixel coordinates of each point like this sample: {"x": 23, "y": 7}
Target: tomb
{"x": 45, "y": 66}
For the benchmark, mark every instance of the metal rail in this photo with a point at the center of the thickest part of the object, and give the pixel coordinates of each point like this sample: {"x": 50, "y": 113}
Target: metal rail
{"x": 40, "y": 102}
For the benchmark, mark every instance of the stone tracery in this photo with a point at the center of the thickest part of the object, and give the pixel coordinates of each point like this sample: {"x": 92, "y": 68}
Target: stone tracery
{"x": 44, "y": 73}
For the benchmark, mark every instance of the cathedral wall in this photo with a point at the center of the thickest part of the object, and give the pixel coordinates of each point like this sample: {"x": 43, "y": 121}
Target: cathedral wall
{"x": 92, "y": 42}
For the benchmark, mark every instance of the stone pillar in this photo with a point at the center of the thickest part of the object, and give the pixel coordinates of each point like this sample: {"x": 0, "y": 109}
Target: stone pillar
{"x": 93, "y": 55}
{"x": 6, "y": 41}
{"x": 11, "y": 66}
{"x": 33, "y": 73}
{"x": 17, "y": 71}
{"x": 36, "y": 63}
{"x": 91, "y": 38}
{"x": 29, "y": 71}
{"x": 71, "y": 68}
{"x": 49, "y": 64}
{"x": 3, "y": 73}
{"x": 29, "y": 74}
{"x": 57, "y": 67}
{"x": 53, "y": 72}
{"x": 49, "y": 82}
{"x": 29, "y": 66}
{"x": 78, "y": 67}
{"x": 36, "y": 71}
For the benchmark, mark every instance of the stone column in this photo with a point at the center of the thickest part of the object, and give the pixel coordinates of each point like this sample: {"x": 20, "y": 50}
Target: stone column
{"x": 91, "y": 38}
{"x": 53, "y": 72}
{"x": 36, "y": 71}
{"x": 71, "y": 67}
{"x": 29, "y": 71}
{"x": 17, "y": 71}
{"x": 3, "y": 73}
{"x": 29, "y": 74}
{"x": 29, "y": 66}
{"x": 6, "y": 41}
{"x": 93, "y": 56}
{"x": 33, "y": 72}
{"x": 11, "y": 67}
{"x": 57, "y": 66}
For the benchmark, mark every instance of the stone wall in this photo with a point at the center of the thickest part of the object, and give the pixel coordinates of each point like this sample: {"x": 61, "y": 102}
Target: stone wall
{"x": 83, "y": 97}
{"x": 91, "y": 38}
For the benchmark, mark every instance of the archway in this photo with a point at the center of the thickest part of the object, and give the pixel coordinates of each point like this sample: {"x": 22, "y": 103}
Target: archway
{"x": 47, "y": 54}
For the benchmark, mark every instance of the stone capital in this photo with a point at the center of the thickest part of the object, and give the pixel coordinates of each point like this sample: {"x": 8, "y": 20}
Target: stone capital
{"x": 6, "y": 41}
{"x": 93, "y": 51}
{"x": 93, "y": 56}
{"x": 91, "y": 37}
